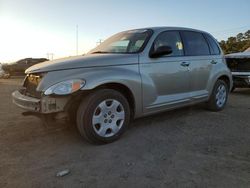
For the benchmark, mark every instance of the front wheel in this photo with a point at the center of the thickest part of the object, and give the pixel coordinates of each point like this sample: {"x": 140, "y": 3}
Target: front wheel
{"x": 103, "y": 116}
{"x": 219, "y": 96}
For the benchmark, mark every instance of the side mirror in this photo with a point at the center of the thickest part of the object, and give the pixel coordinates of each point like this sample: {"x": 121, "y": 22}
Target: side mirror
{"x": 161, "y": 51}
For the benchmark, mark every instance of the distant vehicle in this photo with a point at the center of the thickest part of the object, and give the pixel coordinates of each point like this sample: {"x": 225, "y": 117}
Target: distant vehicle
{"x": 132, "y": 74}
{"x": 1, "y": 71}
{"x": 239, "y": 64}
{"x": 18, "y": 68}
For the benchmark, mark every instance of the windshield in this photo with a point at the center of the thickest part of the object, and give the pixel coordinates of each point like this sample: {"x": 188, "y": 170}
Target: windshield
{"x": 132, "y": 41}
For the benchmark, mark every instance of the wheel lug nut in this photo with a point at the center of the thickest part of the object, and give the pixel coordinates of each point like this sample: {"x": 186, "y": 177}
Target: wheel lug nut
{"x": 110, "y": 121}
{"x": 112, "y": 116}
{"x": 105, "y": 121}
{"x": 109, "y": 113}
{"x": 105, "y": 115}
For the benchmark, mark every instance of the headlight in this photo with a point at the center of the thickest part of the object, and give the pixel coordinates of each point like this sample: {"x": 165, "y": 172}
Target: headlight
{"x": 65, "y": 87}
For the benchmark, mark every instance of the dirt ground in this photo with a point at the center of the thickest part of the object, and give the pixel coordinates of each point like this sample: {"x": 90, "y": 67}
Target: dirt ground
{"x": 189, "y": 147}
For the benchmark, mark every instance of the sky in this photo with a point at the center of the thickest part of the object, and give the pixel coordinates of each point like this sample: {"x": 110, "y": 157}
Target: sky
{"x": 33, "y": 28}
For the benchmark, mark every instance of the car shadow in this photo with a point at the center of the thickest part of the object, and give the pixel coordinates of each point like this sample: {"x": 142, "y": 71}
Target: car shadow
{"x": 169, "y": 115}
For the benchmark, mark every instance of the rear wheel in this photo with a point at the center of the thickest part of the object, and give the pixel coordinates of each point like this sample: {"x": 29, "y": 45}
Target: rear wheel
{"x": 103, "y": 116}
{"x": 219, "y": 96}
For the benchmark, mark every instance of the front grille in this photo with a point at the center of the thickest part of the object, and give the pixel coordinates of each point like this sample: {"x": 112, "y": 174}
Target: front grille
{"x": 239, "y": 65}
{"x": 30, "y": 85}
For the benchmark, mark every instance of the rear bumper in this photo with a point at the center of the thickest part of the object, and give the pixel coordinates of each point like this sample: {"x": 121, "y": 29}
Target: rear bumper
{"x": 45, "y": 105}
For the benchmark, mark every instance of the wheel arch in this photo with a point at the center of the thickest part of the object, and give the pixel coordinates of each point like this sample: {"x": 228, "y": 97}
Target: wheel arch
{"x": 124, "y": 90}
{"x": 73, "y": 104}
{"x": 226, "y": 79}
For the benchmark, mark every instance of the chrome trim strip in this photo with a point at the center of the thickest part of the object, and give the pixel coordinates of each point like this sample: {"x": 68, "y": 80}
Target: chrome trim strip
{"x": 241, "y": 73}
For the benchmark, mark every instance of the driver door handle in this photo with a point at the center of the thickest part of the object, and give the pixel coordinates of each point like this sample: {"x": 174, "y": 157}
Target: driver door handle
{"x": 213, "y": 62}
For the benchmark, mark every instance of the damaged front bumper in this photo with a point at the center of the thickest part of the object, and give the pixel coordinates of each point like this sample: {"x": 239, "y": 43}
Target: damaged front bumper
{"x": 241, "y": 79}
{"x": 45, "y": 105}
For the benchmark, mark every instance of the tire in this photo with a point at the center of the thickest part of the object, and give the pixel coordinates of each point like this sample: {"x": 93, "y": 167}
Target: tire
{"x": 219, "y": 96}
{"x": 103, "y": 116}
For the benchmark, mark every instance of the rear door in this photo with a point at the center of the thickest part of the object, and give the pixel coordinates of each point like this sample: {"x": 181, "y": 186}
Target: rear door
{"x": 200, "y": 63}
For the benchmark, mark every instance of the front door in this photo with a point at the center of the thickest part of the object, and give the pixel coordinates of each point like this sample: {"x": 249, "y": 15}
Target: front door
{"x": 166, "y": 80}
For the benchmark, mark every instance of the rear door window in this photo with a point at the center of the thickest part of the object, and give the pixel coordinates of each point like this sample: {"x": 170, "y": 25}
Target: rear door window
{"x": 194, "y": 43}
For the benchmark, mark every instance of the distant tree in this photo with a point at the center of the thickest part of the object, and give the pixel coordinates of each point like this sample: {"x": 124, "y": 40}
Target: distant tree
{"x": 247, "y": 35}
{"x": 239, "y": 43}
{"x": 223, "y": 45}
{"x": 240, "y": 37}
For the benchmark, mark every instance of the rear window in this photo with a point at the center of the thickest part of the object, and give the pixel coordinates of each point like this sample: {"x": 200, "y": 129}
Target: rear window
{"x": 194, "y": 43}
{"x": 214, "y": 49}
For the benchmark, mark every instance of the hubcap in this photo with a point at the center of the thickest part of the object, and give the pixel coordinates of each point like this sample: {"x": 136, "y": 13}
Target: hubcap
{"x": 108, "y": 118}
{"x": 221, "y": 96}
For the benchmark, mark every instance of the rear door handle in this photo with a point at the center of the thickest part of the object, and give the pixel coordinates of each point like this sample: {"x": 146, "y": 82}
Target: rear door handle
{"x": 213, "y": 62}
{"x": 185, "y": 64}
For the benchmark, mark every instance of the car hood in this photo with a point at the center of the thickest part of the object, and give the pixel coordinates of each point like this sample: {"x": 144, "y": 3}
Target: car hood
{"x": 90, "y": 60}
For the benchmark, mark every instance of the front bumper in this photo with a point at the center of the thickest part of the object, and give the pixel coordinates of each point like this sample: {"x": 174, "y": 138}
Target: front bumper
{"x": 241, "y": 79}
{"x": 25, "y": 102}
{"x": 45, "y": 105}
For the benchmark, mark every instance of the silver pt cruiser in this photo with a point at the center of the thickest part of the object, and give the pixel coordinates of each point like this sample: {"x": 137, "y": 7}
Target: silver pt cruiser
{"x": 132, "y": 74}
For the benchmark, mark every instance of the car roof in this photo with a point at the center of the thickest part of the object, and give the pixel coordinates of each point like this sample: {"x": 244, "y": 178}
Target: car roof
{"x": 164, "y": 28}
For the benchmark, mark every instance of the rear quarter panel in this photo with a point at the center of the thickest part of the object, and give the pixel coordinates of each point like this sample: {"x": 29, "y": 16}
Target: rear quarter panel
{"x": 218, "y": 70}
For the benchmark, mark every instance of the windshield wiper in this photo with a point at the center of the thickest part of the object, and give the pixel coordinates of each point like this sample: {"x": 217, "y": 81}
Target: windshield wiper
{"x": 100, "y": 52}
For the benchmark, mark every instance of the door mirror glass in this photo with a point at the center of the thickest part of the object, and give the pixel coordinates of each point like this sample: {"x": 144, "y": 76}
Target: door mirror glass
{"x": 161, "y": 51}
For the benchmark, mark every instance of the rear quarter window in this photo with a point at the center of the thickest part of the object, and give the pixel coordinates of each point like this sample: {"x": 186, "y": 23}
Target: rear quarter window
{"x": 195, "y": 44}
{"x": 214, "y": 48}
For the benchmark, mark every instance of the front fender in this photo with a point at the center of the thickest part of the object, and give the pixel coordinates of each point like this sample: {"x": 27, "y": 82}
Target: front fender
{"x": 127, "y": 75}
